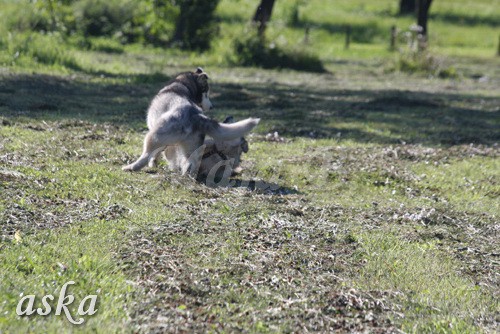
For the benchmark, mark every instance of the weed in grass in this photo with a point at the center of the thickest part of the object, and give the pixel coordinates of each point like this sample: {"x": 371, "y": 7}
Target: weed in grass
{"x": 425, "y": 63}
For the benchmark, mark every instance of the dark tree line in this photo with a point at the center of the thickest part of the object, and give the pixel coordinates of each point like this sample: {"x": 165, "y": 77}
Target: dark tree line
{"x": 189, "y": 24}
{"x": 420, "y": 8}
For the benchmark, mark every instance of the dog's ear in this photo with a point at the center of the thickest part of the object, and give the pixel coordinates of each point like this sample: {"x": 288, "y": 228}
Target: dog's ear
{"x": 199, "y": 70}
{"x": 203, "y": 79}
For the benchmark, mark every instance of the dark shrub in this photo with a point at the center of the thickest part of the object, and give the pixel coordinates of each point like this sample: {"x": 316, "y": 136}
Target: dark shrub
{"x": 255, "y": 51}
{"x": 103, "y": 17}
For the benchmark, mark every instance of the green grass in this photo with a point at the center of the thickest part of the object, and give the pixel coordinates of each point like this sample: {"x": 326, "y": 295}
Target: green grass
{"x": 41, "y": 264}
{"x": 469, "y": 182}
{"x": 456, "y": 28}
{"x": 425, "y": 280}
{"x": 301, "y": 253}
{"x": 72, "y": 217}
{"x": 373, "y": 208}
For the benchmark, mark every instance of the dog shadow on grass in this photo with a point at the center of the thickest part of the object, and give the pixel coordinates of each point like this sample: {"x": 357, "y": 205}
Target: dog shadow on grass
{"x": 203, "y": 183}
{"x": 260, "y": 186}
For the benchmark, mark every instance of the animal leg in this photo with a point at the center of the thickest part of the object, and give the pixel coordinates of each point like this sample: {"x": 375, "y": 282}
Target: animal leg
{"x": 154, "y": 143}
{"x": 154, "y": 157}
{"x": 192, "y": 152}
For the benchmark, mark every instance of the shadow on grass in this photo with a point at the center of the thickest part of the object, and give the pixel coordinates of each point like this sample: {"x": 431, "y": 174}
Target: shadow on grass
{"x": 461, "y": 19}
{"x": 376, "y": 116}
{"x": 53, "y": 98}
{"x": 360, "y": 32}
{"x": 368, "y": 116}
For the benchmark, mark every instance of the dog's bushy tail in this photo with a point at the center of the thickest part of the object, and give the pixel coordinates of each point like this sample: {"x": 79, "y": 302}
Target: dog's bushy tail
{"x": 223, "y": 131}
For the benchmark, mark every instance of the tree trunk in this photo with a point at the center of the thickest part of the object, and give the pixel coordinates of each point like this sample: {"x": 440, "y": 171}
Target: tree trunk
{"x": 180, "y": 26}
{"x": 263, "y": 15}
{"x": 423, "y": 7}
{"x": 407, "y": 7}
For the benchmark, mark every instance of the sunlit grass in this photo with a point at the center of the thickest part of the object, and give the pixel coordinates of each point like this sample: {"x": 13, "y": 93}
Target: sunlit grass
{"x": 370, "y": 23}
{"x": 426, "y": 282}
{"x": 469, "y": 184}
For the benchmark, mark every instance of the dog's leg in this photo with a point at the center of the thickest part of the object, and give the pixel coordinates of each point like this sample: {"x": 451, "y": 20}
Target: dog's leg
{"x": 172, "y": 156}
{"x": 154, "y": 143}
{"x": 154, "y": 157}
{"x": 192, "y": 152}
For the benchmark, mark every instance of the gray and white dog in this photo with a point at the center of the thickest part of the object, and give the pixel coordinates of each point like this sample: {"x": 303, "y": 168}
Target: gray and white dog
{"x": 175, "y": 117}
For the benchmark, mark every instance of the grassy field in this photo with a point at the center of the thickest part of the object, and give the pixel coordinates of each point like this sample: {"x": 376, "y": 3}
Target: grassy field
{"x": 373, "y": 205}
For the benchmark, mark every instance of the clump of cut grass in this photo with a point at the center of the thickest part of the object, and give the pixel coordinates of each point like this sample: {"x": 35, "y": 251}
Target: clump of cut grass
{"x": 415, "y": 57}
{"x": 424, "y": 62}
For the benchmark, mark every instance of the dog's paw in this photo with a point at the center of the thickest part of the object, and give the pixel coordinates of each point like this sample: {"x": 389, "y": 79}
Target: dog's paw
{"x": 237, "y": 171}
{"x": 128, "y": 168}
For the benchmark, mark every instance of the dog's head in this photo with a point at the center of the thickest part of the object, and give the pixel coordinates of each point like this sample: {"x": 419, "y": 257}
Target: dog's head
{"x": 197, "y": 84}
{"x": 204, "y": 89}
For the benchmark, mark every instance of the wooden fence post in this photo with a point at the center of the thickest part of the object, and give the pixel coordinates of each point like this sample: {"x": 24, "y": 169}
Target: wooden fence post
{"x": 347, "y": 37}
{"x": 394, "y": 36}
{"x": 306, "y": 35}
{"x": 498, "y": 50}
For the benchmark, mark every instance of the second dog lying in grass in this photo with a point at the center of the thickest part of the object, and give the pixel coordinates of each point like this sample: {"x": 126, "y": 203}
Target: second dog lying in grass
{"x": 220, "y": 159}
